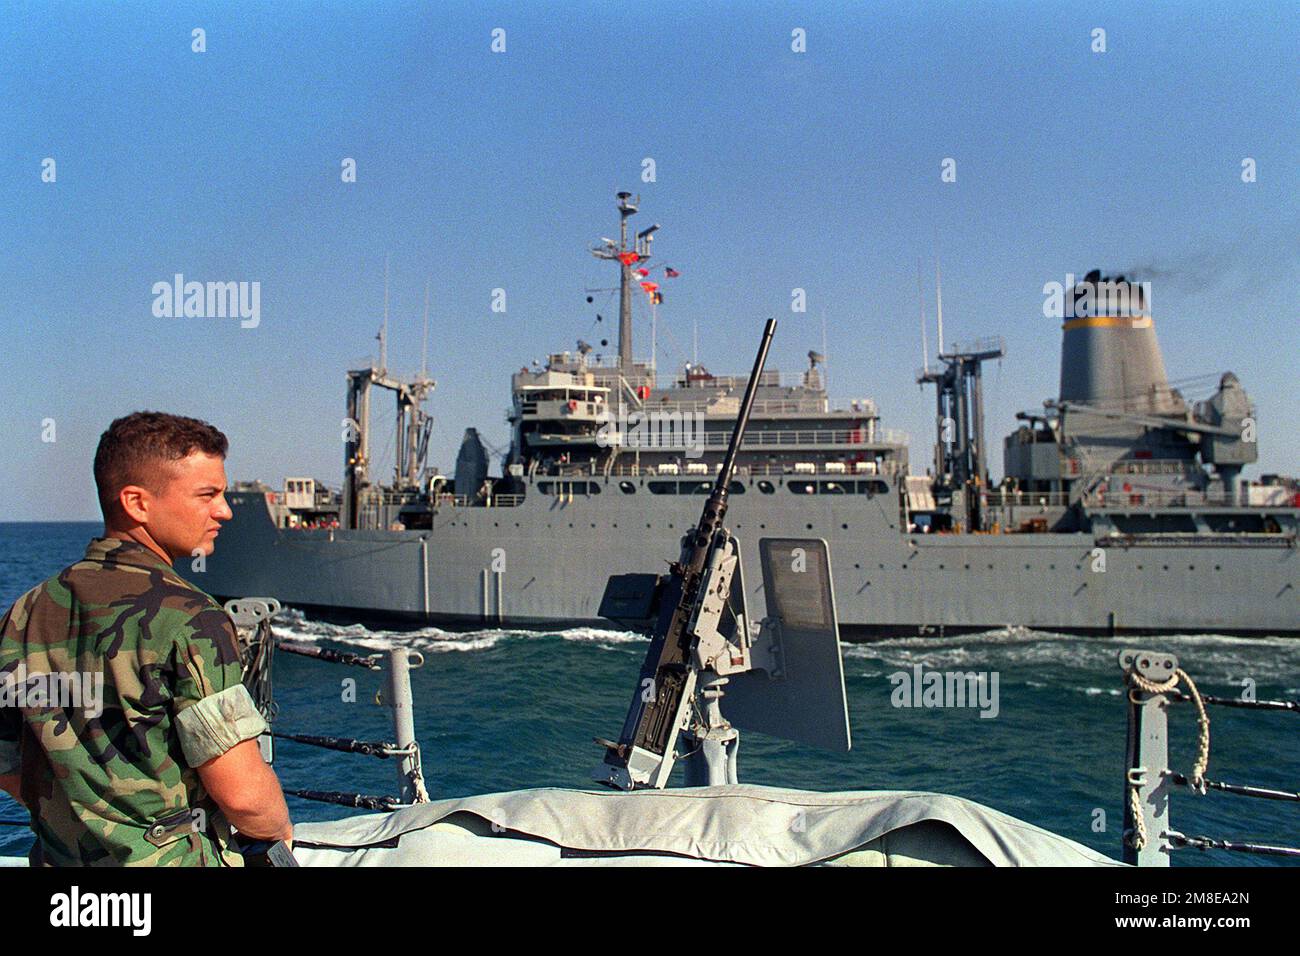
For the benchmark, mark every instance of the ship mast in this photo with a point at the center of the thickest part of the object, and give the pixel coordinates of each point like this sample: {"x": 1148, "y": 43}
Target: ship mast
{"x": 626, "y": 258}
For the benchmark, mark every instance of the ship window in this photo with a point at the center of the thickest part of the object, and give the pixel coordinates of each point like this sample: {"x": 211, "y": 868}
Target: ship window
{"x": 1235, "y": 523}
{"x": 627, "y": 487}
{"x": 802, "y": 488}
{"x": 696, "y": 487}
{"x": 831, "y": 488}
{"x": 872, "y": 487}
{"x": 662, "y": 487}
{"x": 567, "y": 488}
{"x": 1154, "y": 524}
{"x": 766, "y": 487}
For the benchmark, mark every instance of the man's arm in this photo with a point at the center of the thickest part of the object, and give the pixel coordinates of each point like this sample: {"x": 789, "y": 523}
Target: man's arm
{"x": 247, "y": 792}
{"x": 218, "y": 724}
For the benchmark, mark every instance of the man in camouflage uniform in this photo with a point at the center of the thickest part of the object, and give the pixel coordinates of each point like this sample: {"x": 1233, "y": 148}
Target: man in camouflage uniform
{"x": 159, "y": 771}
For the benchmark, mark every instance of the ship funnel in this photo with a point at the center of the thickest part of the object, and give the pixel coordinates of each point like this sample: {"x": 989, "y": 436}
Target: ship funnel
{"x": 1109, "y": 356}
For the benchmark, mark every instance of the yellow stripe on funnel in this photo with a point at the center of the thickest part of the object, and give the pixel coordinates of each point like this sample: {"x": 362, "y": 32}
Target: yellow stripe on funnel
{"x": 1109, "y": 322}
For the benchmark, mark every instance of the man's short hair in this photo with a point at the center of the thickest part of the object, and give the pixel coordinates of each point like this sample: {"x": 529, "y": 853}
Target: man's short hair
{"x": 138, "y": 448}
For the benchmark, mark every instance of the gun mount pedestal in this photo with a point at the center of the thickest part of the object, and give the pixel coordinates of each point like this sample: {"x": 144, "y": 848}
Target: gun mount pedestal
{"x": 712, "y": 743}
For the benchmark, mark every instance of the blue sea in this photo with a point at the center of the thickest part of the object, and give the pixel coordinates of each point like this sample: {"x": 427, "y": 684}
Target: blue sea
{"x": 507, "y": 709}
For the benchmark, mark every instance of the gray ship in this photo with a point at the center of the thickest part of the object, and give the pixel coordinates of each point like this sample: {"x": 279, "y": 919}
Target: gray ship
{"x": 1122, "y": 509}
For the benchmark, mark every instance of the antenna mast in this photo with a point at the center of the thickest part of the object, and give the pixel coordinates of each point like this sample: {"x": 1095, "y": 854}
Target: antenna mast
{"x": 383, "y": 335}
{"x": 424, "y": 348}
{"x": 938, "y": 299}
{"x": 824, "y": 363}
{"x": 920, "y": 301}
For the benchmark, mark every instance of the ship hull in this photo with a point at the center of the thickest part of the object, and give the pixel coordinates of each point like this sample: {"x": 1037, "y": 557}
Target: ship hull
{"x": 544, "y": 563}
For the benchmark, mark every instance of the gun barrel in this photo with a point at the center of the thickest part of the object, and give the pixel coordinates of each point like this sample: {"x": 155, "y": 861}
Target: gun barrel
{"x": 746, "y": 406}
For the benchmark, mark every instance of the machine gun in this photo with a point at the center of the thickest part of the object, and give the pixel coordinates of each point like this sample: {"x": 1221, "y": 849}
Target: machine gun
{"x": 701, "y": 637}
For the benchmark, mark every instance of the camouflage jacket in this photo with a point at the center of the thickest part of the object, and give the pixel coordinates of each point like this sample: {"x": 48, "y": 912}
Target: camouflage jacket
{"x": 109, "y": 777}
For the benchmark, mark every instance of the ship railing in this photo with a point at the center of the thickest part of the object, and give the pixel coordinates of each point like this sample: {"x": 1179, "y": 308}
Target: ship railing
{"x": 1022, "y": 500}
{"x": 1111, "y": 499}
{"x": 252, "y": 618}
{"x": 988, "y": 344}
{"x": 474, "y": 501}
{"x": 730, "y": 406}
{"x": 648, "y": 436}
{"x": 1154, "y": 466}
{"x": 771, "y": 378}
{"x": 886, "y": 467}
{"x": 1151, "y": 682}
{"x": 1074, "y": 464}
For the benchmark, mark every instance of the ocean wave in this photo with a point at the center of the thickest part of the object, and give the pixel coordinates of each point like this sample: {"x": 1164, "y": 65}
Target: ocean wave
{"x": 1217, "y": 659}
{"x": 293, "y": 625}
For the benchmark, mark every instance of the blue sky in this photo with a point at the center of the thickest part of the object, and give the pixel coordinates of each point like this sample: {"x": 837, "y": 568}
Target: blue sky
{"x": 479, "y": 170}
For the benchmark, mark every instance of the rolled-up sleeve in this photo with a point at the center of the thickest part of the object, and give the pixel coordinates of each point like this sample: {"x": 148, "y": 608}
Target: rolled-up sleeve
{"x": 214, "y": 710}
{"x": 211, "y": 726}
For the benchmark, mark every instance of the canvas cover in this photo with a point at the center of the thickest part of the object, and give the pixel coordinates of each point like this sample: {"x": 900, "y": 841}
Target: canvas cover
{"x": 736, "y": 825}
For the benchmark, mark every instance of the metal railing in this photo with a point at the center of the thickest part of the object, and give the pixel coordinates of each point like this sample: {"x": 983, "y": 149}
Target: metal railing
{"x": 689, "y": 437}
{"x": 470, "y": 501}
{"x": 1146, "y": 498}
{"x": 1025, "y": 500}
{"x": 887, "y": 467}
{"x": 1151, "y": 680}
{"x": 252, "y": 618}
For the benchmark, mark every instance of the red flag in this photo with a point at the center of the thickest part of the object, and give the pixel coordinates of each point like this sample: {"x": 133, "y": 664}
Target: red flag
{"x": 629, "y": 258}
{"x": 650, "y": 286}
{"x": 644, "y": 273}
{"x": 670, "y": 272}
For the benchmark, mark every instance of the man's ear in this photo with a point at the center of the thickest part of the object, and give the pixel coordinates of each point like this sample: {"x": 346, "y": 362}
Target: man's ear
{"x": 135, "y": 502}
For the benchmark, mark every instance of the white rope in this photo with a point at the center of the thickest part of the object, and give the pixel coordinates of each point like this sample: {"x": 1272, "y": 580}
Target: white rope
{"x": 1139, "y": 835}
{"x": 1203, "y": 719}
{"x": 1139, "y": 838}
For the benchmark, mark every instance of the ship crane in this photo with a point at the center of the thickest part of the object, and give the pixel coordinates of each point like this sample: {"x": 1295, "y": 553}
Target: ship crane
{"x": 412, "y": 427}
{"x": 960, "y": 458}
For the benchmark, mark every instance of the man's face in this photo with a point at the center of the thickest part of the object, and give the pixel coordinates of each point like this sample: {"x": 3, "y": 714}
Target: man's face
{"x": 185, "y": 513}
